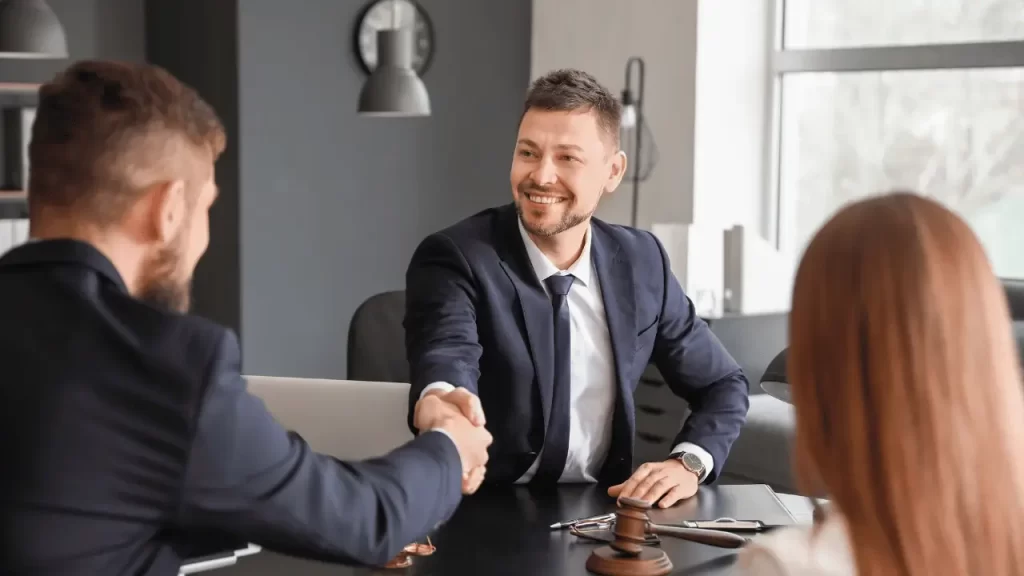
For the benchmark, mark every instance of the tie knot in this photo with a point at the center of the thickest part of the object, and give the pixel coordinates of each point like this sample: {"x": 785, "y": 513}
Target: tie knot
{"x": 559, "y": 284}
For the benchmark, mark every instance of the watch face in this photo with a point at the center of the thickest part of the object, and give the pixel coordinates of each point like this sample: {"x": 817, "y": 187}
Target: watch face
{"x": 390, "y": 14}
{"x": 692, "y": 462}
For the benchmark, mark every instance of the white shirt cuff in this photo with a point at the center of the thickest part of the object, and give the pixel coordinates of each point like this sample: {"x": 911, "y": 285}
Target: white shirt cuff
{"x": 443, "y": 386}
{"x": 699, "y": 452}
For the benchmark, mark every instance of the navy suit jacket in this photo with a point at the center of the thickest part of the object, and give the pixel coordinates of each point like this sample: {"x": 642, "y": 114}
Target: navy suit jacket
{"x": 129, "y": 441}
{"x": 478, "y": 317}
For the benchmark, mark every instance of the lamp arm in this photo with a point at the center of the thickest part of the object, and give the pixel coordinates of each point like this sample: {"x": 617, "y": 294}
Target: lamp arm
{"x": 639, "y": 104}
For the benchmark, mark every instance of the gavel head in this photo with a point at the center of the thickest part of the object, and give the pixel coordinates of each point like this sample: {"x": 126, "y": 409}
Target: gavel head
{"x": 631, "y": 526}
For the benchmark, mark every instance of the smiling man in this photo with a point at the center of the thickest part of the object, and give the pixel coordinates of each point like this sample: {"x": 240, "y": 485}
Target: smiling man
{"x": 537, "y": 319}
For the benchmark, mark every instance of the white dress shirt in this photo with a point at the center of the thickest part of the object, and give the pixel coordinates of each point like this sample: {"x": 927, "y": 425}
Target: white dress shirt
{"x": 592, "y": 370}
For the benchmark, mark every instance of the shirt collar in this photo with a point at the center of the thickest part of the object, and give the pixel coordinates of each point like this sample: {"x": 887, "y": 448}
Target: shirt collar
{"x": 581, "y": 269}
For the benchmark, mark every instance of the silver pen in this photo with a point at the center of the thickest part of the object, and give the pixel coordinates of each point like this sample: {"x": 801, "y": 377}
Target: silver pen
{"x": 601, "y": 518}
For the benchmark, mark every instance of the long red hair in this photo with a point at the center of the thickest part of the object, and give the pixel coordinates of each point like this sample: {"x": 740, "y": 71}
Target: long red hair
{"x": 908, "y": 392}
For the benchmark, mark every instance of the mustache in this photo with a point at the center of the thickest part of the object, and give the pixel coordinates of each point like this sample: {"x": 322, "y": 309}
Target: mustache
{"x": 531, "y": 186}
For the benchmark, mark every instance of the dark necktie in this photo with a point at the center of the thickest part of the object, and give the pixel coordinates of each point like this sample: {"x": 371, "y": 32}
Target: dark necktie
{"x": 556, "y": 440}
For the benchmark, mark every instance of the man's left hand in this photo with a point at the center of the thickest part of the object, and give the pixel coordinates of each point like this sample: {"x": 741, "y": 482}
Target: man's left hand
{"x": 667, "y": 481}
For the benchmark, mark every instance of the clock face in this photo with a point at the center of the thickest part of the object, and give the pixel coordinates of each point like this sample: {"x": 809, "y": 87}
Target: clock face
{"x": 389, "y": 14}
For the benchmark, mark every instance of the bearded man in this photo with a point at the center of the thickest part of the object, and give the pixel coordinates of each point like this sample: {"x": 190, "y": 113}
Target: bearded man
{"x": 536, "y": 319}
{"x": 128, "y": 437}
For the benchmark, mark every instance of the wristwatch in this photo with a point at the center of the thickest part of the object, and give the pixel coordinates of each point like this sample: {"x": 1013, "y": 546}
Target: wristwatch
{"x": 691, "y": 462}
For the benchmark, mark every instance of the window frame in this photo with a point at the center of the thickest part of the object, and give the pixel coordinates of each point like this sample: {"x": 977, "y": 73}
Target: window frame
{"x": 888, "y": 58}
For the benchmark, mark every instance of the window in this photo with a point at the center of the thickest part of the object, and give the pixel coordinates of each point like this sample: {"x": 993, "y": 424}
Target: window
{"x": 926, "y": 95}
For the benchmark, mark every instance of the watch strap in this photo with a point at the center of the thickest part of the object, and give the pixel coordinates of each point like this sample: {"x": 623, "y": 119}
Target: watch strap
{"x": 698, "y": 469}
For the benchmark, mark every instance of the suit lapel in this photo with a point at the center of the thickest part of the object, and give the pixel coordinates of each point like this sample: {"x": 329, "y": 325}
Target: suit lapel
{"x": 534, "y": 304}
{"x": 615, "y": 273}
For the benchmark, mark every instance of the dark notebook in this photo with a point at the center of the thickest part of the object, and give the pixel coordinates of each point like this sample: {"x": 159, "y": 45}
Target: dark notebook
{"x": 736, "y": 501}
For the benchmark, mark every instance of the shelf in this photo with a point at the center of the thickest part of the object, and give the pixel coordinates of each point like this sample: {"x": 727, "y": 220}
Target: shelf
{"x": 19, "y": 87}
{"x": 9, "y": 195}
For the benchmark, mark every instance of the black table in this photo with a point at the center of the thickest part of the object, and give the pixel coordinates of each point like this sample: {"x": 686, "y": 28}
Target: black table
{"x": 506, "y": 531}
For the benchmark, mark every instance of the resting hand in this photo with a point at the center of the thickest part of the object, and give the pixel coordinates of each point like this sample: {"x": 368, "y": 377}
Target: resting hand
{"x": 667, "y": 481}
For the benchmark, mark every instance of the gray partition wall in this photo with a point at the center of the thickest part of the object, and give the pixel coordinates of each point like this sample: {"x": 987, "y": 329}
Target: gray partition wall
{"x": 322, "y": 208}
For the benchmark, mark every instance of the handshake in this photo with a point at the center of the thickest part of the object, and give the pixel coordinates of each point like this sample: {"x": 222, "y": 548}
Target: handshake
{"x": 459, "y": 414}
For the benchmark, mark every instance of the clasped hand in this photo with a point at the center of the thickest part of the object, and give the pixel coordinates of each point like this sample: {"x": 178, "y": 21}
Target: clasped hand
{"x": 460, "y": 414}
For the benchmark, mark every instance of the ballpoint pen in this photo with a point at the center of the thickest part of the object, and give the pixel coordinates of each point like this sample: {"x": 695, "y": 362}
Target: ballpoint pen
{"x": 601, "y": 518}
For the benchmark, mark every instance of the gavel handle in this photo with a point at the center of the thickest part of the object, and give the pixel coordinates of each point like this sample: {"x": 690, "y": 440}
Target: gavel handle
{"x": 702, "y": 535}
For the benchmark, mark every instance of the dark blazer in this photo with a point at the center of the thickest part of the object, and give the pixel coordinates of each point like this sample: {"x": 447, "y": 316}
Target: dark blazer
{"x": 478, "y": 317}
{"x": 129, "y": 441}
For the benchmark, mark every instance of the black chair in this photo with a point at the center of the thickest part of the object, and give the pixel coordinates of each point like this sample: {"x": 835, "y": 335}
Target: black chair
{"x": 1015, "y": 297}
{"x": 774, "y": 381}
{"x": 376, "y": 340}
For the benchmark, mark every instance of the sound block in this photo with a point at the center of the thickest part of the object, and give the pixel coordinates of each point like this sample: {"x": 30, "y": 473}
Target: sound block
{"x": 608, "y": 562}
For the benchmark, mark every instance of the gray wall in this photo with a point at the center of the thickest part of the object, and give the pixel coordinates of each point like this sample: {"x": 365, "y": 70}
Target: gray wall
{"x": 332, "y": 204}
{"x": 320, "y": 208}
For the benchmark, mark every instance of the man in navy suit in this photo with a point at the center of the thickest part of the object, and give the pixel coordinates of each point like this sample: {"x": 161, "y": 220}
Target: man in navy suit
{"x": 129, "y": 440}
{"x": 537, "y": 319}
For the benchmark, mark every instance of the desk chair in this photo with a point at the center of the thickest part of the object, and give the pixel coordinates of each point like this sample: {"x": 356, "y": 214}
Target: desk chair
{"x": 376, "y": 340}
{"x": 762, "y": 453}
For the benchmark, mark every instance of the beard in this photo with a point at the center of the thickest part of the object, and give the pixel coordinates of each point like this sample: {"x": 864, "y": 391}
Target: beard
{"x": 572, "y": 216}
{"x": 164, "y": 282}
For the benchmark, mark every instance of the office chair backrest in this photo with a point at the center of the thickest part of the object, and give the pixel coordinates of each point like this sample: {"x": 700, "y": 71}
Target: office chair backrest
{"x": 752, "y": 340}
{"x": 376, "y": 340}
{"x": 1015, "y": 297}
{"x": 776, "y": 371}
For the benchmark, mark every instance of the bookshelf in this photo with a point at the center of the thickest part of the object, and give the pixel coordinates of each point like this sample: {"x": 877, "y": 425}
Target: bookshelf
{"x": 18, "y": 87}
{"x": 13, "y": 195}
{"x": 15, "y": 93}
{"x": 13, "y": 205}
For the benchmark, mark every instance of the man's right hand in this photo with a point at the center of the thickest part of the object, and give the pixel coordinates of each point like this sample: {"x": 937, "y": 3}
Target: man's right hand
{"x": 428, "y": 409}
{"x": 471, "y": 442}
{"x": 439, "y": 405}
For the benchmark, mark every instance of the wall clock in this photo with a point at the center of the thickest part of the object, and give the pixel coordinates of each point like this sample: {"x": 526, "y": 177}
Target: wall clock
{"x": 387, "y": 14}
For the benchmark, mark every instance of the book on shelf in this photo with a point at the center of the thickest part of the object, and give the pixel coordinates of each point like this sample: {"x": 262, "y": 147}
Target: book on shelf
{"x": 17, "y": 132}
{"x": 13, "y": 232}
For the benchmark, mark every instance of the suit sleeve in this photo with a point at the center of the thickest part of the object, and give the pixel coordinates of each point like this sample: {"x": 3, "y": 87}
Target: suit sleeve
{"x": 440, "y": 319}
{"x": 249, "y": 478}
{"x": 699, "y": 369}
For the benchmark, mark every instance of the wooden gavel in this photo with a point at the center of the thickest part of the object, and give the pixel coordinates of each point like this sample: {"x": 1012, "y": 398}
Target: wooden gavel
{"x": 632, "y": 524}
{"x": 626, "y": 554}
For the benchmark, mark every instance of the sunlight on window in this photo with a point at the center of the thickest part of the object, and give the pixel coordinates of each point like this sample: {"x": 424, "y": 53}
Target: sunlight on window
{"x": 956, "y": 135}
{"x": 849, "y": 23}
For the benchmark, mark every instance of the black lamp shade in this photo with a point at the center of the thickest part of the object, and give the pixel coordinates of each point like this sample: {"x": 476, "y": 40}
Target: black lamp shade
{"x": 394, "y": 89}
{"x": 30, "y": 29}
{"x": 775, "y": 381}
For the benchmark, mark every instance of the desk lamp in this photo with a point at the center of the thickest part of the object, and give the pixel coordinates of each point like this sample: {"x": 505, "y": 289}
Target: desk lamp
{"x": 774, "y": 381}
{"x": 635, "y": 134}
{"x": 30, "y": 29}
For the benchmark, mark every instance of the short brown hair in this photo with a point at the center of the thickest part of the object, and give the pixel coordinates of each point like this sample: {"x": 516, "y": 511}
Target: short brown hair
{"x": 104, "y": 129}
{"x": 569, "y": 90}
